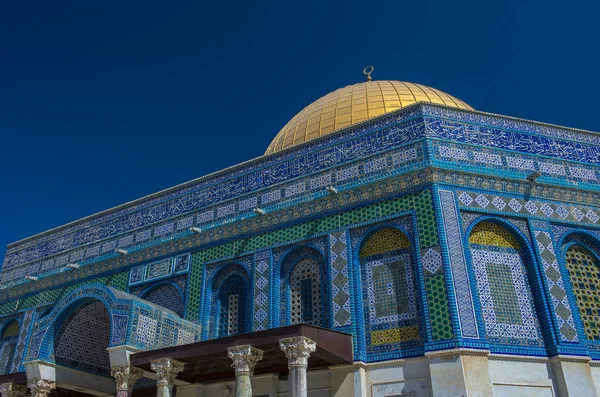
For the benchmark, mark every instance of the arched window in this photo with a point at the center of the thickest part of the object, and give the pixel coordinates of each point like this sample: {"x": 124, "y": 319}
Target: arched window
{"x": 389, "y": 288}
{"x": 302, "y": 287}
{"x": 10, "y": 334}
{"x": 231, "y": 299}
{"x": 503, "y": 285}
{"x": 584, "y": 272}
{"x": 167, "y": 296}
{"x": 305, "y": 292}
{"x": 83, "y": 338}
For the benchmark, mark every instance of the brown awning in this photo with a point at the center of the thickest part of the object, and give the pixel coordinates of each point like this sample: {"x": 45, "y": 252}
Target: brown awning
{"x": 17, "y": 377}
{"x": 208, "y": 361}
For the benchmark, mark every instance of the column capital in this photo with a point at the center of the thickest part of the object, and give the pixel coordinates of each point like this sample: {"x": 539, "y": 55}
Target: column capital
{"x": 12, "y": 390}
{"x": 297, "y": 350}
{"x": 126, "y": 376}
{"x": 244, "y": 358}
{"x": 40, "y": 387}
{"x": 166, "y": 369}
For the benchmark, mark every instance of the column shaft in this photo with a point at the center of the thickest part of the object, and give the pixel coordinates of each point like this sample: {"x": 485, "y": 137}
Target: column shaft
{"x": 297, "y": 351}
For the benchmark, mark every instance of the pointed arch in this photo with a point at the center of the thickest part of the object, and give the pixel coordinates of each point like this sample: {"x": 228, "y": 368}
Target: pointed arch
{"x": 303, "y": 287}
{"x": 230, "y": 297}
{"x": 504, "y": 268}
{"x": 386, "y": 259}
{"x": 581, "y": 253}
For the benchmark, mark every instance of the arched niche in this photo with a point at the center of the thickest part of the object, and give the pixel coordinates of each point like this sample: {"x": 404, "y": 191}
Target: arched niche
{"x": 82, "y": 338}
{"x": 303, "y": 290}
{"x": 502, "y": 264}
{"x": 582, "y": 260}
{"x": 230, "y": 302}
{"x": 389, "y": 294}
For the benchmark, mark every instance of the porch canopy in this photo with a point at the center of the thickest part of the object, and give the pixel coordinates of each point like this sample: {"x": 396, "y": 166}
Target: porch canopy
{"x": 208, "y": 361}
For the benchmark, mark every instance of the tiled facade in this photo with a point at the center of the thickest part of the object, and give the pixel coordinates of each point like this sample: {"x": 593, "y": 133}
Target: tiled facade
{"x": 434, "y": 240}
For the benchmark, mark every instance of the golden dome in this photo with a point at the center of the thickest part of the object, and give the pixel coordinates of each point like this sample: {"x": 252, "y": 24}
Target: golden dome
{"x": 355, "y": 103}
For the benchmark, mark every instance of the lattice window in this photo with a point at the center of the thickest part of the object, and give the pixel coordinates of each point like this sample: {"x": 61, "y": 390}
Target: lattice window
{"x": 167, "y": 296}
{"x": 232, "y": 310}
{"x": 503, "y": 285}
{"x": 305, "y": 293}
{"x": 584, "y": 271}
{"x": 83, "y": 338}
{"x": 10, "y": 334}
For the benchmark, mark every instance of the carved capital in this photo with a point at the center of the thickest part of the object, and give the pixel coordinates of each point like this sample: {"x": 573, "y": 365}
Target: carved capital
{"x": 244, "y": 358}
{"x": 297, "y": 350}
{"x": 40, "y": 387}
{"x": 166, "y": 369}
{"x": 12, "y": 390}
{"x": 126, "y": 376}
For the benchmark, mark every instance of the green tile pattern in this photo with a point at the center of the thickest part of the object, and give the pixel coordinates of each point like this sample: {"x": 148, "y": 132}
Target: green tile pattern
{"x": 437, "y": 303}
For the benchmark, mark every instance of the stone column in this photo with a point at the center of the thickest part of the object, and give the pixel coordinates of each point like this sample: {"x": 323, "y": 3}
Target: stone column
{"x": 297, "y": 351}
{"x": 40, "y": 387}
{"x": 125, "y": 377}
{"x": 244, "y": 359}
{"x": 12, "y": 390}
{"x": 166, "y": 369}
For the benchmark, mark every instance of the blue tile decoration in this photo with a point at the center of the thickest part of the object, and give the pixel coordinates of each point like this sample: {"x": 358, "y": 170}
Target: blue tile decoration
{"x": 456, "y": 254}
{"x": 159, "y": 270}
{"x": 135, "y": 323}
{"x": 262, "y": 279}
{"x": 300, "y": 260}
{"x": 340, "y": 279}
{"x": 555, "y": 286}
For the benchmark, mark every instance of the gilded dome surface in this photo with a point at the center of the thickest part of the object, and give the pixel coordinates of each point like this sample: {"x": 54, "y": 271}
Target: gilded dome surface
{"x": 355, "y": 103}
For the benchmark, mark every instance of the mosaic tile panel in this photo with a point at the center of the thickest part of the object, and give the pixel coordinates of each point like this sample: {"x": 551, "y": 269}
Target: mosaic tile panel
{"x": 479, "y": 159}
{"x": 340, "y": 279}
{"x": 159, "y": 269}
{"x": 506, "y": 301}
{"x": 584, "y": 271}
{"x": 195, "y": 288}
{"x": 456, "y": 254}
{"x": 432, "y": 260}
{"x": 385, "y": 240}
{"x": 22, "y": 342}
{"x": 438, "y": 306}
{"x": 560, "y": 211}
{"x": 560, "y": 301}
{"x": 262, "y": 277}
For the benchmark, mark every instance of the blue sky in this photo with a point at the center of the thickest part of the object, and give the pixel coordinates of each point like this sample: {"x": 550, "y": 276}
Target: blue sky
{"x": 104, "y": 102}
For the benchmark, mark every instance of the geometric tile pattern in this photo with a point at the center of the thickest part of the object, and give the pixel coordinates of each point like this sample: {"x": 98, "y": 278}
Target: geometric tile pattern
{"x": 432, "y": 260}
{"x": 585, "y": 279}
{"x": 340, "y": 285}
{"x": 560, "y": 301}
{"x": 385, "y": 240}
{"x": 389, "y": 293}
{"x": 438, "y": 306}
{"x": 560, "y": 211}
{"x": 460, "y": 278}
{"x": 22, "y": 343}
{"x": 306, "y": 293}
{"x": 167, "y": 296}
{"x": 160, "y": 269}
{"x": 506, "y": 301}
{"x": 83, "y": 338}
{"x": 488, "y": 233}
{"x": 262, "y": 277}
